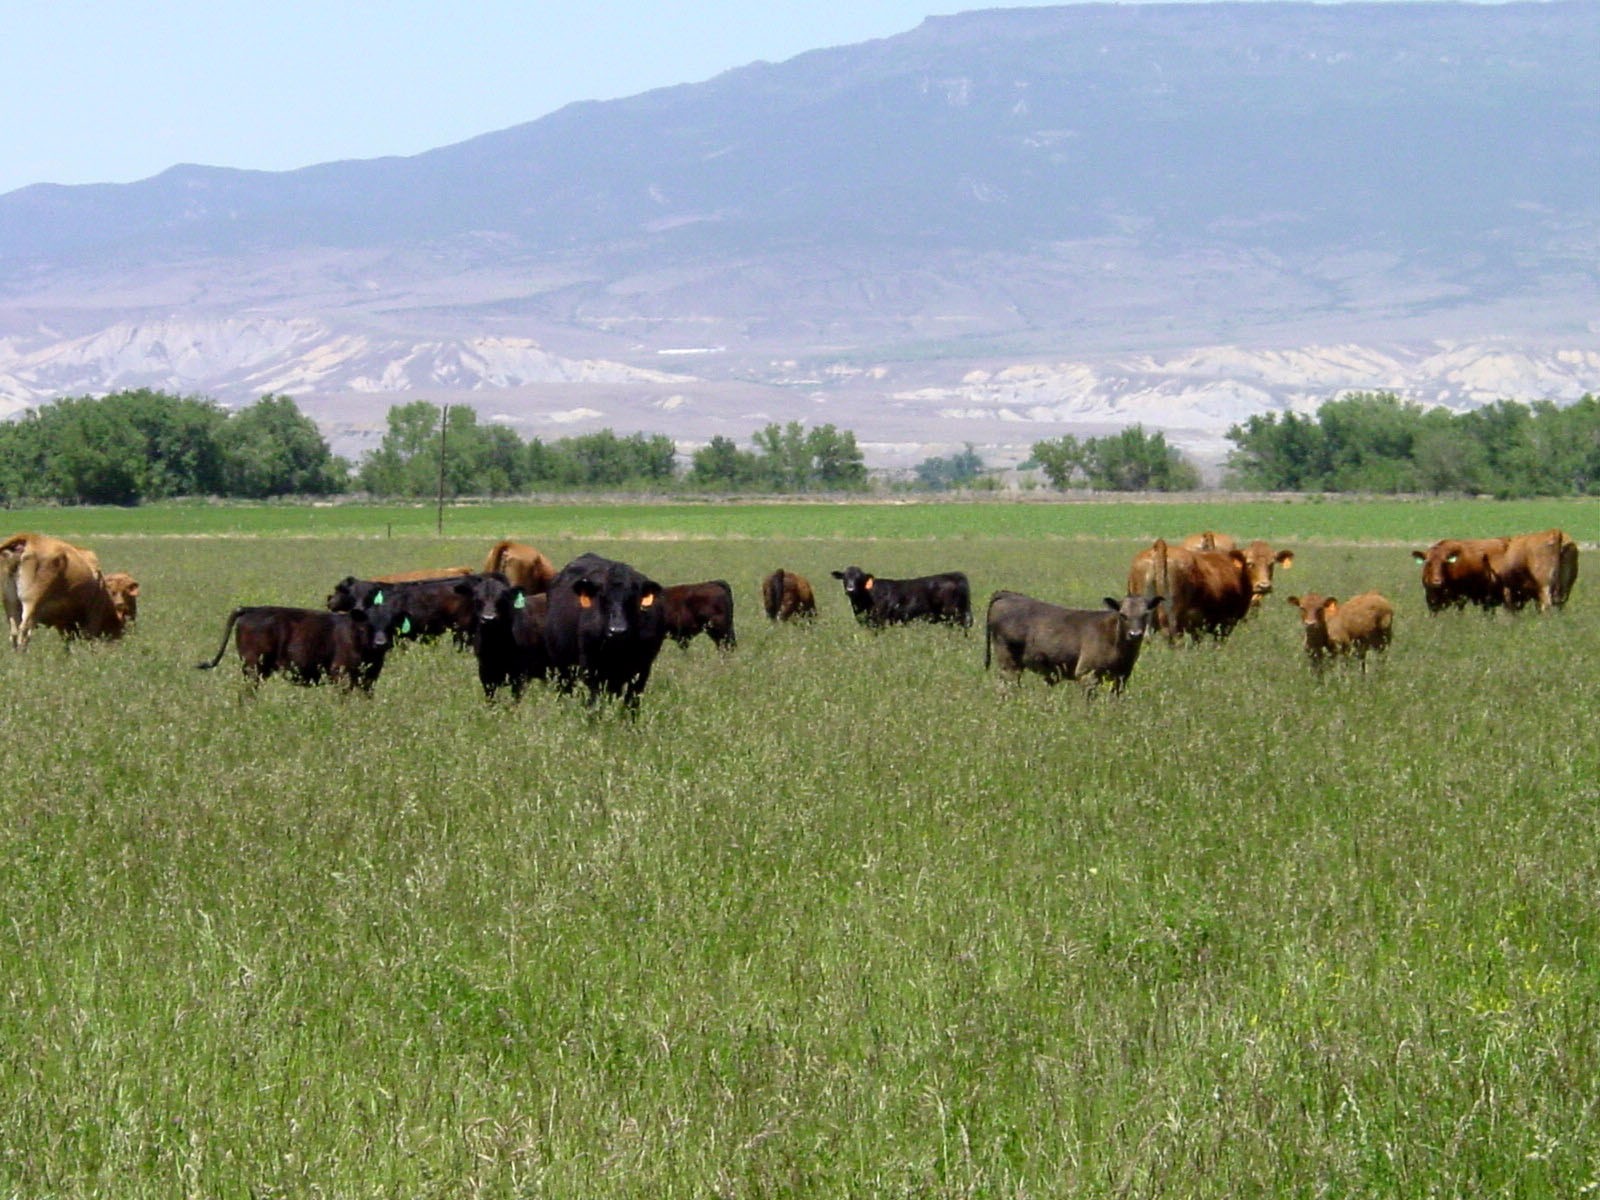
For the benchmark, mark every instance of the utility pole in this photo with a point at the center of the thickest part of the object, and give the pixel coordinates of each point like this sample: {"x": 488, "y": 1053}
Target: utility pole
{"x": 444, "y": 424}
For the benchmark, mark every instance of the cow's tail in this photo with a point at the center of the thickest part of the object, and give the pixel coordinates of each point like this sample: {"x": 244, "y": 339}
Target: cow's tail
{"x": 772, "y": 601}
{"x": 227, "y": 632}
{"x": 988, "y": 630}
{"x": 497, "y": 556}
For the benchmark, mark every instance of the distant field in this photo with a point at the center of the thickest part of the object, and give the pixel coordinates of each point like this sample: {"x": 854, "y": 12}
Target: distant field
{"x": 1407, "y": 521}
{"x": 836, "y": 915}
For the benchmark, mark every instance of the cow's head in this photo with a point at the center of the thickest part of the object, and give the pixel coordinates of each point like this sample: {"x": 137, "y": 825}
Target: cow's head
{"x": 382, "y": 623}
{"x": 124, "y": 593}
{"x": 1138, "y": 613}
{"x": 1259, "y": 560}
{"x": 343, "y": 596}
{"x": 858, "y": 585}
{"x": 622, "y": 601}
{"x": 490, "y": 598}
{"x": 1314, "y": 613}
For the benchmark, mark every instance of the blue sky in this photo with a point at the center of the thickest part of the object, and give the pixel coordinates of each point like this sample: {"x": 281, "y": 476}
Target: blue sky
{"x": 115, "y": 90}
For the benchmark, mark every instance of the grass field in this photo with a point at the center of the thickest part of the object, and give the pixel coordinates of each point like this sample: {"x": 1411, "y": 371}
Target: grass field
{"x": 836, "y": 915}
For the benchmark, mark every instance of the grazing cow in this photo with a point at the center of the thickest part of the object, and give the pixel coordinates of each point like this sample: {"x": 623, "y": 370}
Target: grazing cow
{"x": 309, "y": 644}
{"x": 507, "y": 633}
{"x": 604, "y": 628}
{"x": 50, "y": 582}
{"x": 786, "y": 596}
{"x": 1457, "y": 572}
{"x": 691, "y": 608}
{"x": 878, "y": 602}
{"x": 1025, "y": 634}
{"x": 522, "y": 565}
{"x": 1360, "y": 624}
{"x": 1206, "y": 591}
{"x": 422, "y": 574}
{"x": 435, "y": 606}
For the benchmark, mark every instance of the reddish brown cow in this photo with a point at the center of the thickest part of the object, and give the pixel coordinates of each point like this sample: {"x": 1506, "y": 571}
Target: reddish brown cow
{"x": 786, "y": 596}
{"x": 1360, "y": 624}
{"x": 691, "y": 608}
{"x": 47, "y": 581}
{"x": 1206, "y": 591}
{"x": 1456, "y": 572}
{"x": 522, "y": 565}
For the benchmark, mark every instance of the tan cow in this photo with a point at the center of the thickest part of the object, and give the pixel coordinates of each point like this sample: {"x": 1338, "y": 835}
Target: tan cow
{"x": 522, "y": 565}
{"x": 1206, "y": 591}
{"x": 422, "y": 574}
{"x": 47, "y": 581}
{"x": 1209, "y": 540}
{"x": 1362, "y": 623}
{"x": 1541, "y": 567}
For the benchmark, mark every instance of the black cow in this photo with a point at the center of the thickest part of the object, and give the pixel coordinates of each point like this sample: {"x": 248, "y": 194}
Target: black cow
{"x": 435, "y": 606}
{"x": 877, "y": 602}
{"x": 1025, "y": 634}
{"x": 604, "y": 628}
{"x": 309, "y": 645}
{"x": 691, "y": 608}
{"x": 507, "y": 633}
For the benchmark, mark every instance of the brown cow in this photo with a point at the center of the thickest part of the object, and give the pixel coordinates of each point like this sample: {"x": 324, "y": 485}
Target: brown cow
{"x": 1360, "y": 624}
{"x": 1491, "y": 572}
{"x": 1456, "y": 572}
{"x": 1209, "y": 540}
{"x": 47, "y": 581}
{"x": 786, "y": 596}
{"x": 691, "y": 608}
{"x": 522, "y": 565}
{"x": 1206, "y": 591}
{"x": 426, "y": 573}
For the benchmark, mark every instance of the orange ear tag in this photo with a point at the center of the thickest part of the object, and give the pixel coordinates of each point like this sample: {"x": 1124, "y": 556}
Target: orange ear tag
{"x": 868, "y": 584}
{"x": 585, "y": 600}
{"x": 647, "y": 600}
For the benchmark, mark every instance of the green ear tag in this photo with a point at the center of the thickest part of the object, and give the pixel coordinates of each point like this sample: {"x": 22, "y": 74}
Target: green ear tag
{"x": 521, "y": 601}
{"x": 377, "y": 598}
{"x": 405, "y": 625}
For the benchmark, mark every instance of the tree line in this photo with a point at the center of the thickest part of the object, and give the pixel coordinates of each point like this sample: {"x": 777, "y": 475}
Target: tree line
{"x": 1377, "y": 442}
{"x": 141, "y": 445}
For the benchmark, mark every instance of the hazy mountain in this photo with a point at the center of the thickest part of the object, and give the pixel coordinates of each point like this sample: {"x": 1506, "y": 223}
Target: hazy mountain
{"x": 1093, "y": 199}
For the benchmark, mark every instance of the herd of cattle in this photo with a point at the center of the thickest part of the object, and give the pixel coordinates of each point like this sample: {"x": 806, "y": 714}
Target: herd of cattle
{"x": 599, "y": 624}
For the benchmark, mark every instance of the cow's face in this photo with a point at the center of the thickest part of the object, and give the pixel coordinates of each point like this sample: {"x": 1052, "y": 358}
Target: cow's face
{"x": 619, "y": 602}
{"x": 1436, "y": 562}
{"x": 383, "y": 623}
{"x": 858, "y": 585}
{"x": 1259, "y": 561}
{"x": 1138, "y": 613}
{"x": 1314, "y": 613}
{"x": 124, "y": 593}
{"x": 489, "y": 598}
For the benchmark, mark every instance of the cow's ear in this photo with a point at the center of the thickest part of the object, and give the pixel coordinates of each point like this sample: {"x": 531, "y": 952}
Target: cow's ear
{"x": 1295, "y": 601}
{"x": 1286, "y": 559}
{"x": 837, "y": 574}
{"x": 1330, "y": 606}
{"x": 133, "y": 589}
{"x": 1113, "y": 605}
{"x": 1419, "y": 556}
{"x": 650, "y": 596}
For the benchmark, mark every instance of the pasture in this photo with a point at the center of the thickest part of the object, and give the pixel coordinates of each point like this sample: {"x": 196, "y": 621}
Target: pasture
{"x": 837, "y": 914}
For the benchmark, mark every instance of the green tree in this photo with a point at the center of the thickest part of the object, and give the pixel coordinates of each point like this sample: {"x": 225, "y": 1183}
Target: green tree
{"x": 1061, "y": 459}
{"x": 942, "y": 474}
{"x": 721, "y": 464}
{"x": 834, "y": 461}
{"x": 272, "y": 449}
{"x": 1136, "y": 461}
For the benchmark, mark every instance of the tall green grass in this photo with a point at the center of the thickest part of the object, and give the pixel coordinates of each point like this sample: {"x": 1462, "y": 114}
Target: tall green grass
{"x": 838, "y": 914}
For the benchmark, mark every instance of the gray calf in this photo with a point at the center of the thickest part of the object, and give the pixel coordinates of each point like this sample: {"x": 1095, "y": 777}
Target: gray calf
{"x": 1025, "y": 634}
